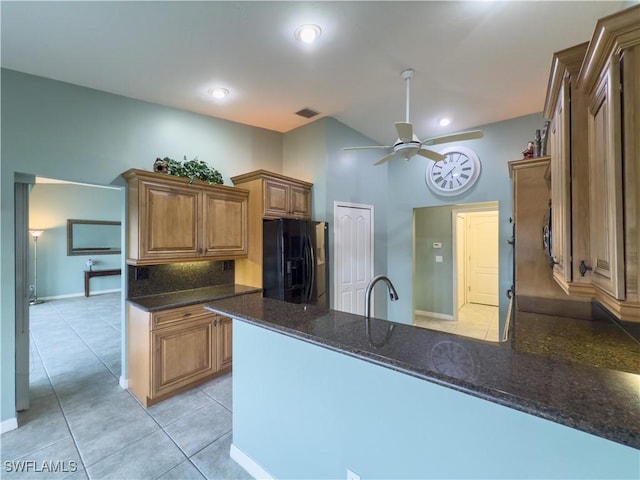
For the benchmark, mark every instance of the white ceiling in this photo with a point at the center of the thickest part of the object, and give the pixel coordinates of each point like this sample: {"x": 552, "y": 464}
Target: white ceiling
{"x": 477, "y": 62}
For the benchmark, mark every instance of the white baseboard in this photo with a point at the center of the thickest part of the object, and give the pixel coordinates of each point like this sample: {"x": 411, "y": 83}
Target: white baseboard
{"x": 8, "y": 425}
{"x": 124, "y": 383}
{"x": 249, "y": 464}
{"x": 81, "y": 294}
{"x": 439, "y": 316}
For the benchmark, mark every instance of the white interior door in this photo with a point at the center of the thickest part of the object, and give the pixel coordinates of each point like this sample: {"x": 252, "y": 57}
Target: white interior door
{"x": 353, "y": 247}
{"x": 482, "y": 248}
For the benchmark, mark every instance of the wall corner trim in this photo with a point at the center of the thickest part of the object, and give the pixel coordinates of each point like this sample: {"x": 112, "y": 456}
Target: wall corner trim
{"x": 124, "y": 383}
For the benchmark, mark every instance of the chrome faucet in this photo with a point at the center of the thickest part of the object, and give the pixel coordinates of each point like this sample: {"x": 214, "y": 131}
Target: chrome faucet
{"x": 392, "y": 293}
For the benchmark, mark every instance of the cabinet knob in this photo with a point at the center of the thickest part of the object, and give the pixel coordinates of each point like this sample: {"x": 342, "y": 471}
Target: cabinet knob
{"x": 583, "y": 268}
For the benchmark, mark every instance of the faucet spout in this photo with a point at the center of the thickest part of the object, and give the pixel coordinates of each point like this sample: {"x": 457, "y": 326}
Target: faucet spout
{"x": 393, "y": 294}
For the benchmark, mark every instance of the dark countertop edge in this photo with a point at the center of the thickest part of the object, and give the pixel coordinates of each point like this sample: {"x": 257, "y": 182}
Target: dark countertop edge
{"x": 191, "y": 301}
{"x": 531, "y": 407}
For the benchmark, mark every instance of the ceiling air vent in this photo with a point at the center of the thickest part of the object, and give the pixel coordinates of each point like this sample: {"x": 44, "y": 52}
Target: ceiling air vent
{"x": 307, "y": 112}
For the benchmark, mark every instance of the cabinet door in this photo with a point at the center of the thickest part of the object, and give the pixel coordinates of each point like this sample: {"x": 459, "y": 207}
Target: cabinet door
{"x": 300, "y": 204}
{"x": 276, "y": 199}
{"x": 182, "y": 353}
{"x": 225, "y": 224}
{"x": 168, "y": 223}
{"x": 560, "y": 187}
{"x": 605, "y": 165}
{"x": 224, "y": 342}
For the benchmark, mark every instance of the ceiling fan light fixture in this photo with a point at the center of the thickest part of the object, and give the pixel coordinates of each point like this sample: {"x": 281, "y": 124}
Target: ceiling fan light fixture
{"x": 308, "y": 33}
{"x": 444, "y": 122}
{"x": 218, "y": 92}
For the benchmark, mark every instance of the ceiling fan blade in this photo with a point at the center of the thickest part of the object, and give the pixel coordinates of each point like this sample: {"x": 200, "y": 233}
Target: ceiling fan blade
{"x": 367, "y": 147}
{"x": 435, "y": 156}
{"x": 405, "y": 131}
{"x": 455, "y": 137}
{"x": 385, "y": 159}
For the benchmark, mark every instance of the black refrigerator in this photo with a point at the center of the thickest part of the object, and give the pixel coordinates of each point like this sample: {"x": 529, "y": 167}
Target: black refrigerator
{"x": 295, "y": 261}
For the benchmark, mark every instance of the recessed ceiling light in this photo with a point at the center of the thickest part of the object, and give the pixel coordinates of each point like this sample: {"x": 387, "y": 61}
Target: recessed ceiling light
{"x": 307, "y": 33}
{"x": 444, "y": 122}
{"x": 218, "y": 92}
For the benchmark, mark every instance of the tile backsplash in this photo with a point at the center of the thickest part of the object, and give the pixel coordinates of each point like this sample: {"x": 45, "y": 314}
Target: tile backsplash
{"x": 156, "y": 279}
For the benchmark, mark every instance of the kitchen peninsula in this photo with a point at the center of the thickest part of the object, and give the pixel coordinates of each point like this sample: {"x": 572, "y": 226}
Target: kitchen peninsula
{"x": 317, "y": 392}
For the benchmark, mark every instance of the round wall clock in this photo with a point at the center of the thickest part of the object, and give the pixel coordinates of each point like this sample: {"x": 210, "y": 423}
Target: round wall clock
{"x": 455, "y": 174}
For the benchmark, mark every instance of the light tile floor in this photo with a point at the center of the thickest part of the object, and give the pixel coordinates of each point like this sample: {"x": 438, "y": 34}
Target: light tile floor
{"x": 80, "y": 414}
{"x": 474, "y": 320}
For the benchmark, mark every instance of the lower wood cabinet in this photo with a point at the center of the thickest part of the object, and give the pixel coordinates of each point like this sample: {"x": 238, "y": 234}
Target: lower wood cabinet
{"x": 175, "y": 349}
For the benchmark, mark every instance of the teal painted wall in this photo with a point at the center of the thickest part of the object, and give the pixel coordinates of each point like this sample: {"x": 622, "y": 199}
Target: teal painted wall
{"x": 315, "y": 152}
{"x": 62, "y": 131}
{"x": 502, "y": 142}
{"x": 307, "y": 412}
{"x": 50, "y": 205}
{"x": 433, "y": 284}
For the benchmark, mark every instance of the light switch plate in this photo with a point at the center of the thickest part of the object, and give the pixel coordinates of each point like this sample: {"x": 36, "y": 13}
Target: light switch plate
{"x": 438, "y": 258}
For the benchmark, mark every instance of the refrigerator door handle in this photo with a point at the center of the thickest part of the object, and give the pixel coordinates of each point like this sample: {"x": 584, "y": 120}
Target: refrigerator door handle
{"x": 313, "y": 268}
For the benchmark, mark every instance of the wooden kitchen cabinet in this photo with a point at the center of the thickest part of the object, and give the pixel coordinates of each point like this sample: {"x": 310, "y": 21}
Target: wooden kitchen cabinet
{"x": 277, "y": 196}
{"x": 566, "y": 109}
{"x": 175, "y": 349}
{"x": 171, "y": 220}
{"x": 610, "y": 78}
{"x": 533, "y": 275}
{"x": 271, "y": 196}
{"x": 286, "y": 199}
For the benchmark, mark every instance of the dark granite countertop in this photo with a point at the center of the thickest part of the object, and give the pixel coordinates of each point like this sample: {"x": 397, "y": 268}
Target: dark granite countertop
{"x": 182, "y": 298}
{"x": 600, "y": 401}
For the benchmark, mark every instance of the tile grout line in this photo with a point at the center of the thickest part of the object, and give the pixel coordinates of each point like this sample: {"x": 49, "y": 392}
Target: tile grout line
{"x": 64, "y": 416}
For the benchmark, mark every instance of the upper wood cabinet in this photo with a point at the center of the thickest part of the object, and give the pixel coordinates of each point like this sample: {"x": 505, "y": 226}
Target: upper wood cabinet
{"x": 171, "y": 220}
{"x": 566, "y": 109}
{"x": 610, "y": 78}
{"x": 278, "y": 196}
{"x": 271, "y": 196}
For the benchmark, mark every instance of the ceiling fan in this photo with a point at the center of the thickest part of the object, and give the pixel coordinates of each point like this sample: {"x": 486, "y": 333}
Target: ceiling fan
{"x": 408, "y": 144}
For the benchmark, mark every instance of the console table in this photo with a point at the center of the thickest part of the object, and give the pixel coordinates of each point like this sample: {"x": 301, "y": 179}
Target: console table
{"x": 88, "y": 274}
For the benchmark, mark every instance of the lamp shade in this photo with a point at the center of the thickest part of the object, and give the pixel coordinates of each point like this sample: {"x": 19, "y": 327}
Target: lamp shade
{"x": 36, "y": 233}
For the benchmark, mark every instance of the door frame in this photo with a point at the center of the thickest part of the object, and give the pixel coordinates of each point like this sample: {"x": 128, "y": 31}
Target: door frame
{"x": 22, "y": 186}
{"x": 336, "y": 208}
{"x": 479, "y": 207}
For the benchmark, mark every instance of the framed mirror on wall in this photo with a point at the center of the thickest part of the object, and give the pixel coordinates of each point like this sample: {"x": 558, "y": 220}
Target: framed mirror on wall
{"x": 93, "y": 237}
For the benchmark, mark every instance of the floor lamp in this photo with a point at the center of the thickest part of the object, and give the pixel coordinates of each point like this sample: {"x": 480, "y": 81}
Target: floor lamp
{"x": 35, "y": 234}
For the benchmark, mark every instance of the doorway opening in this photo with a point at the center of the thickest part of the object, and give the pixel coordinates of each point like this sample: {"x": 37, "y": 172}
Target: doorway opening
{"x": 62, "y": 334}
{"x": 456, "y": 269}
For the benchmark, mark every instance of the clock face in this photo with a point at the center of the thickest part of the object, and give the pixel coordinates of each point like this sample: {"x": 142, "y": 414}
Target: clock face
{"x": 457, "y": 173}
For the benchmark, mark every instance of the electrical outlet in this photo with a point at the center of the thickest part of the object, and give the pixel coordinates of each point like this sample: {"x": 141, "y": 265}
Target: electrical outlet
{"x": 141, "y": 273}
{"x": 352, "y": 475}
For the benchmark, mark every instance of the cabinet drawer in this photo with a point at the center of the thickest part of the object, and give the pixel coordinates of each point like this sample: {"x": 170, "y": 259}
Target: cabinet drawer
{"x": 169, "y": 317}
